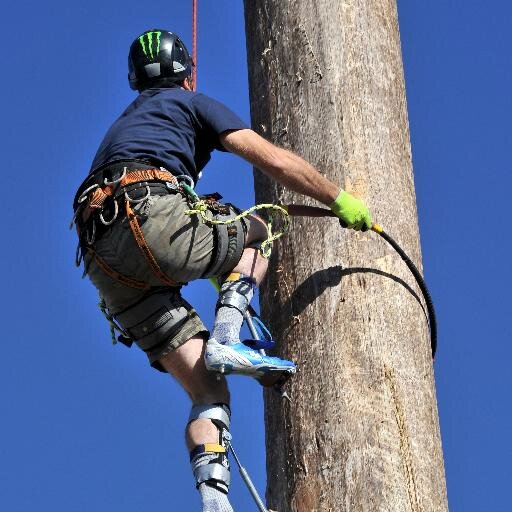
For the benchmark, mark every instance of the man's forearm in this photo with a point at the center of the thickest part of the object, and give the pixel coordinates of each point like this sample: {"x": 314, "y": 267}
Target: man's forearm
{"x": 281, "y": 165}
{"x": 295, "y": 173}
{"x": 300, "y": 176}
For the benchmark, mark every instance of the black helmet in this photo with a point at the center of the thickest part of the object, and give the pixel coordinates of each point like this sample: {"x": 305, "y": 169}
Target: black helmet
{"x": 158, "y": 58}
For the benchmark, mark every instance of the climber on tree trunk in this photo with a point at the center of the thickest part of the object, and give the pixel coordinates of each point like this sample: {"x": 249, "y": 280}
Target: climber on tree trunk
{"x": 140, "y": 240}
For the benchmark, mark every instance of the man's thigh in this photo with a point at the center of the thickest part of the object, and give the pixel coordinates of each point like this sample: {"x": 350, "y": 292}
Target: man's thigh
{"x": 159, "y": 320}
{"x": 180, "y": 242}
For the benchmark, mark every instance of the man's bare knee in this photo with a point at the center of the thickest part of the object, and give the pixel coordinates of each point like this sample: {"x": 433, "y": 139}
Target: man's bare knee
{"x": 200, "y": 431}
{"x": 252, "y": 263}
{"x": 257, "y": 231}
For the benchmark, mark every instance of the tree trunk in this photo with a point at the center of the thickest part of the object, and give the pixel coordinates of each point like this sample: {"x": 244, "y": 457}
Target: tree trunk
{"x": 362, "y": 431}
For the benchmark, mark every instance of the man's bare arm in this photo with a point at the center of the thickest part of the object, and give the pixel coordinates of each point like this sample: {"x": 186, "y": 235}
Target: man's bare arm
{"x": 281, "y": 165}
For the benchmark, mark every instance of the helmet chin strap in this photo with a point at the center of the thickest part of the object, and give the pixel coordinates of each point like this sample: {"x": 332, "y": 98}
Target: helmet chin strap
{"x": 188, "y": 84}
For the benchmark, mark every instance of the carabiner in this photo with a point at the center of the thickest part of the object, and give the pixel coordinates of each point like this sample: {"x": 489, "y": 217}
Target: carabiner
{"x": 135, "y": 201}
{"x": 83, "y": 195}
{"x": 186, "y": 178}
{"x": 114, "y": 217}
{"x": 115, "y": 182}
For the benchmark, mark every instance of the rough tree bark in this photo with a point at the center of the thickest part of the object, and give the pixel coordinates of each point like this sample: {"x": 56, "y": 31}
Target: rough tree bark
{"x": 362, "y": 432}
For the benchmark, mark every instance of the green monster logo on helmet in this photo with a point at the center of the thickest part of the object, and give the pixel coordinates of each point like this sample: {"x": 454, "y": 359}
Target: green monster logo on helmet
{"x": 152, "y": 37}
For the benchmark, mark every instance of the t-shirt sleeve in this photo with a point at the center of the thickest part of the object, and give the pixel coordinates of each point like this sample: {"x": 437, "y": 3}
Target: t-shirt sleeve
{"x": 215, "y": 118}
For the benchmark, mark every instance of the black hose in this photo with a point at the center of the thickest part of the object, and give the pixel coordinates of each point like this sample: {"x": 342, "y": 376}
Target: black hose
{"x": 300, "y": 210}
{"x": 423, "y": 287}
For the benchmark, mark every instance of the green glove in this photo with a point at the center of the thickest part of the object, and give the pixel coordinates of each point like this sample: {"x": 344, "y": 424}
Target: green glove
{"x": 352, "y": 212}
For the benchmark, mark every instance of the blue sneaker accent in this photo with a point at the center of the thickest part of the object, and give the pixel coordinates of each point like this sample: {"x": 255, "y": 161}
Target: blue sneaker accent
{"x": 239, "y": 359}
{"x": 260, "y": 344}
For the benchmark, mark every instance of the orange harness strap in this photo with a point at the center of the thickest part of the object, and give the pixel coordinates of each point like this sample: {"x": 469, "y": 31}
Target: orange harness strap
{"x": 99, "y": 196}
{"x": 147, "y": 175}
{"x": 141, "y": 242}
{"x": 96, "y": 201}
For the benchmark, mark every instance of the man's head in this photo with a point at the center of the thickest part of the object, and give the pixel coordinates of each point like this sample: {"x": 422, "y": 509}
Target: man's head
{"x": 158, "y": 58}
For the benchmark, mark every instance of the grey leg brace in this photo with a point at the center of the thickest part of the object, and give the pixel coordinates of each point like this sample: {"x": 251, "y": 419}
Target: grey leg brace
{"x": 236, "y": 293}
{"x": 210, "y": 461}
{"x": 234, "y": 297}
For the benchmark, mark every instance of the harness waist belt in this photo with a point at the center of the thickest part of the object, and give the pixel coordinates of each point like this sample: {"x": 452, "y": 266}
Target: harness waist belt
{"x": 111, "y": 173}
{"x": 136, "y": 193}
{"x": 99, "y": 195}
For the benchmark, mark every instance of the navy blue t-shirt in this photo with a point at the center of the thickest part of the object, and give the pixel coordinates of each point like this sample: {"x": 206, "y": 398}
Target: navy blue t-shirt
{"x": 170, "y": 127}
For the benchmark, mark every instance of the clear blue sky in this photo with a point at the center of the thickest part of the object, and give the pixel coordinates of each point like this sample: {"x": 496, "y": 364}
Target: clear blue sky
{"x": 89, "y": 427}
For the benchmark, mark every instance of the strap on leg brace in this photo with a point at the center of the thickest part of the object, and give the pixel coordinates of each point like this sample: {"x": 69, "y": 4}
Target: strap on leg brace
{"x": 236, "y": 295}
{"x": 215, "y": 472}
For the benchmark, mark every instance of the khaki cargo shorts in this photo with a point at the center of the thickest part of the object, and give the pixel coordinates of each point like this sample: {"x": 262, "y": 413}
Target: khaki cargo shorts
{"x": 159, "y": 320}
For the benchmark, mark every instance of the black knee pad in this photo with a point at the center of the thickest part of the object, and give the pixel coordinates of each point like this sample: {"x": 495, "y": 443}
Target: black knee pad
{"x": 155, "y": 318}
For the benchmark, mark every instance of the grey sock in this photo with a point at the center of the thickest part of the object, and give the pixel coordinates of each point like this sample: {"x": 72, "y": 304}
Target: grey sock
{"x": 214, "y": 500}
{"x": 234, "y": 298}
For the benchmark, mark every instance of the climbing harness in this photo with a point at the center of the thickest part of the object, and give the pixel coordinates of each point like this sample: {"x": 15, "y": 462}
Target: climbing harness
{"x": 93, "y": 199}
{"x": 96, "y": 208}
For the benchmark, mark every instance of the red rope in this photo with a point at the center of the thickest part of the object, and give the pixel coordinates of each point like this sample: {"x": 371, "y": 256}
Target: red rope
{"x": 194, "y": 44}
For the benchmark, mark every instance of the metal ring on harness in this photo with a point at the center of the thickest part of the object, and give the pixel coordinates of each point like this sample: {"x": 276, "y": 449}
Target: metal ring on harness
{"x": 115, "y": 182}
{"x": 135, "y": 201}
{"x": 185, "y": 178}
{"x": 114, "y": 217}
{"x": 171, "y": 187}
{"x": 84, "y": 194}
